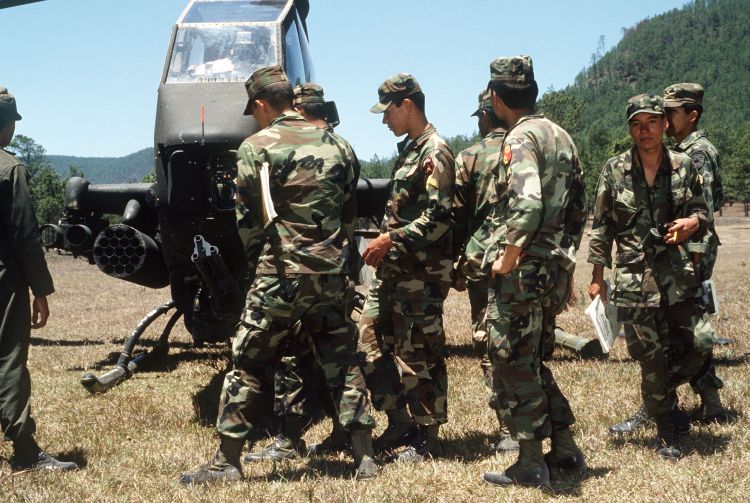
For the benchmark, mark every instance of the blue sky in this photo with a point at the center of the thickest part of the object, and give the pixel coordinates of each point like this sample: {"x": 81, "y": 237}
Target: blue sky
{"x": 86, "y": 72}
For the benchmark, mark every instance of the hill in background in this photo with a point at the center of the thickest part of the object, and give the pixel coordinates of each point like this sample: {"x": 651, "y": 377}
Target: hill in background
{"x": 130, "y": 168}
{"x": 706, "y": 41}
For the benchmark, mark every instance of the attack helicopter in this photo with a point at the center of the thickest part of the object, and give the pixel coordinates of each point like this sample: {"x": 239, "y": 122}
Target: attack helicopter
{"x": 180, "y": 231}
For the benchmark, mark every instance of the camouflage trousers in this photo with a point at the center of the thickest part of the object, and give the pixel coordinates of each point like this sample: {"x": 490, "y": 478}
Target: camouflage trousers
{"x": 401, "y": 346}
{"x": 275, "y": 305}
{"x": 671, "y": 344}
{"x": 521, "y": 311}
{"x": 705, "y": 336}
{"x": 299, "y": 383}
{"x": 477, "y": 288}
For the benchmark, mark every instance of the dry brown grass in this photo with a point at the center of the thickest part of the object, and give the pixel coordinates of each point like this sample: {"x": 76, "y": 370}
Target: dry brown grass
{"x": 136, "y": 439}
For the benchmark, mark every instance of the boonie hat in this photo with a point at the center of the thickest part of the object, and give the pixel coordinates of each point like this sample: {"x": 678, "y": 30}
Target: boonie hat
{"x": 8, "y": 111}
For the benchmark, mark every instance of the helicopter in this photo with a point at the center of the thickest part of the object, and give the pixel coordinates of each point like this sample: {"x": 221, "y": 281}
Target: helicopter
{"x": 181, "y": 230}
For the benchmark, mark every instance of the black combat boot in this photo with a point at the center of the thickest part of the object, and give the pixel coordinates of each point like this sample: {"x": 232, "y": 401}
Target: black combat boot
{"x": 337, "y": 441}
{"x": 363, "y": 456}
{"x": 681, "y": 422}
{"x": 505, "y": 442}
{"x": 712, "y": 410}
{"x": 565, "y": 454}
{"x": 637, "y": 420}
{"x": 666, "y": 434}
{"x": 425, "y": 445}
{"x": 401, "y": 431}
{"x": 530, "y": 469}
{"x": 287, "y": 445}
{"x": 27, "y": 455}
{"x": 224, "y": 466}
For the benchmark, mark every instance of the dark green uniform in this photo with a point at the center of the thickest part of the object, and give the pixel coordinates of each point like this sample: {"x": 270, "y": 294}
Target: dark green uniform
{"x": 22, "y": 266}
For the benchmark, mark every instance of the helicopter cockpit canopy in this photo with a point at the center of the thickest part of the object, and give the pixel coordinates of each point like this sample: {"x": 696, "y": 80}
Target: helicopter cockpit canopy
{"x": 227, "y": 40}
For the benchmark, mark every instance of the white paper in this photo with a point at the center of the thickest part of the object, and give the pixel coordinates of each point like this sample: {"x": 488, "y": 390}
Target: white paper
{"x": 269, "y": 212}
{"x": 602, "y": 325}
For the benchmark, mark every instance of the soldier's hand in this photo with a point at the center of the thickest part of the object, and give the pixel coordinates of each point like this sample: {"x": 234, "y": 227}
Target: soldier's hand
{"x": 39, "y": 312}
{"x": 377, "y": 249}
{"x": 682, "y": 229}
{"x": 508, "y": 260}
{"x": 598, "y": 287}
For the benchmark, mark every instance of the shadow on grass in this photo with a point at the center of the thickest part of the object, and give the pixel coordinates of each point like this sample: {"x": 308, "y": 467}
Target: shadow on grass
{"x": 566, "y": 484}
{"x": 460, "y": 351}
{"x": 700, "y": 442}
{"x": 315, "y": 468}
{"x": 733, "y": 361}
{"x": 36, "y": 341}
{"x": 471, "y": 446}
{"x": 158, "y": 362}
{"x": 76, "y": 455}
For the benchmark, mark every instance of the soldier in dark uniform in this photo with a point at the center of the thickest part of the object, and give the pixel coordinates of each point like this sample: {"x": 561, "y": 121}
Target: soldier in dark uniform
{"x": 22, "y": 266}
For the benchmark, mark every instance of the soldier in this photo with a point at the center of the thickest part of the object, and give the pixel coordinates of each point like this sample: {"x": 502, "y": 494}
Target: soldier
{"x": 298, "y": 382}
{"x": 539, "y": 189}
{"x": 295, "y": 198}
{"x": 650, "y": 201}
{"x": 683, "y": 105}
{"x": 402, "y": 319}
{"x": 473, "y": 208}
{"x": 22, "y": 266}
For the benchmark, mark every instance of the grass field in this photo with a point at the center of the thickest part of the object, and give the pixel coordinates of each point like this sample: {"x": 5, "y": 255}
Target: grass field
{"x": 135, "y": 440}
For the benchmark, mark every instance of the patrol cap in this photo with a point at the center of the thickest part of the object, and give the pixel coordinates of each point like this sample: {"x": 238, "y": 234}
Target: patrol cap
{"x": 396, "y": 86}
{"x": 485, "y": 101}
{"x": 8, "y": 110}
{"x": 261, "y": 78}
{"x": 512, "y": 70}
{"x": 308, "y": 93}
{"x": 644, "y": 103}
{"x": 677, "y": 95}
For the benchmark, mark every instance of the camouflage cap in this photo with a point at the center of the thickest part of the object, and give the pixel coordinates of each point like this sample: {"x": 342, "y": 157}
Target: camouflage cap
{"x": 513, "y": 70}
{"x": 308, "y": 93}
{"x": 677, "y": 95}
{"x": 644, "y": 103}
{"x": 485, "y": 101}
{"x": 400, "y": 85}
{"x": 261, "y": 78}
{"x": 8, "y": 110}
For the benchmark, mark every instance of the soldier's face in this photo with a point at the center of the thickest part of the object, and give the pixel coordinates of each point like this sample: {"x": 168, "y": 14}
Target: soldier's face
{"x": 396, "y": 118}
{"x": 647, "y": 130}
{"x": 6, "y": 133}
{"x": 679, "y": 121}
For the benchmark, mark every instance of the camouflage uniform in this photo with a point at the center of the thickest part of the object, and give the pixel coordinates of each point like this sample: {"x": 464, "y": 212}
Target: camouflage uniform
{"x": 655, "y": 284}
{"x": 401, "y": 327}
{"x": 707, "y": 163}
{"x": 302, "y": 259}
{"x": 473, "y": 207}
{"x": 298, "y": 378}
{"x": 537, "y": 188}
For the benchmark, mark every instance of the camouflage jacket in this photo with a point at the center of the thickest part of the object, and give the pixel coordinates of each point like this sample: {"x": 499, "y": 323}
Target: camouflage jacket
{"x": 474, "y": 202}
{"x": 626, "y": 209}
{"x": 418, "y": 213}
{"x": 708, "y": 164}
{"x": 541, "y": 198}
{"x": 313, "y": 188}
{"x": 22, "y": 263}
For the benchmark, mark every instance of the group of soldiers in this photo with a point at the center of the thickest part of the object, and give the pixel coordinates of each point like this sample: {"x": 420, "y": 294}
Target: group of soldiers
{"x": 502, "y": 219}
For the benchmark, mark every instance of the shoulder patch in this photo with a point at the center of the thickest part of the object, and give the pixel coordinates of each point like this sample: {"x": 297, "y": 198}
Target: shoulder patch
{"x": 698, "y": 160}
{"x": 428, "y": 166}
{"x": 507, "y": 154}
